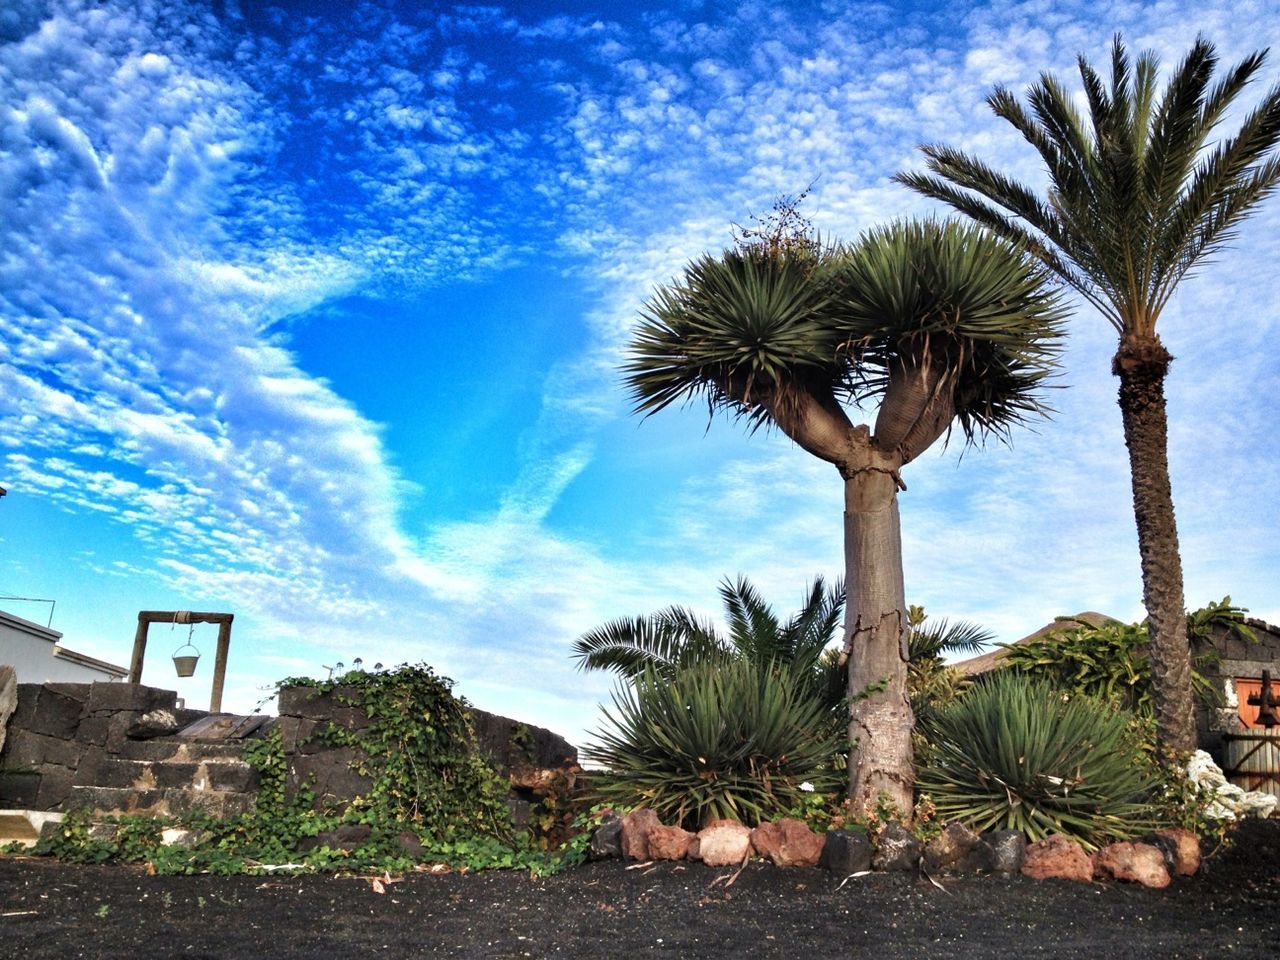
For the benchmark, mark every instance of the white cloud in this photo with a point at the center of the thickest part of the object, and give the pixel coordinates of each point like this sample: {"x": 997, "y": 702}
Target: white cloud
{"x": 166, "y": 223}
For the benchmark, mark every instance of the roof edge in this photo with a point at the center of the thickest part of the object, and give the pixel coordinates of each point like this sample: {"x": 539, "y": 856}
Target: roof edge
{"x": 27, "y": 626}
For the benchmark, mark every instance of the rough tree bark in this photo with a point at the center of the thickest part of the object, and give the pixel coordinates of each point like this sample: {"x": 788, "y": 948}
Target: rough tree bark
{"x": 1141, "y": 364}
{"x": 880, "y": 717}
{"x": 880, "y": 753}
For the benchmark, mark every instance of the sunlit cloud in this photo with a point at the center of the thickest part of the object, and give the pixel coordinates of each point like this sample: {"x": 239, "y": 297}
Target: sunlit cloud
{"x": 186, "y": 196}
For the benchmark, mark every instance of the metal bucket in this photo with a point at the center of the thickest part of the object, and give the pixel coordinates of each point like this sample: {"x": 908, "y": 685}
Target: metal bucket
{"x": 184, "y": 660}
{"x": 1253, "y": 761}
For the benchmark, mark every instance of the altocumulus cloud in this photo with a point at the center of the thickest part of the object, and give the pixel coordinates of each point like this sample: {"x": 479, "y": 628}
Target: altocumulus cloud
{"x": 182, "y": 190}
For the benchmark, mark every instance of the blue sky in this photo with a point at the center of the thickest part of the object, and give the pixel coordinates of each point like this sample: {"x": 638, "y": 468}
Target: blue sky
{"x": 312, "y": 313}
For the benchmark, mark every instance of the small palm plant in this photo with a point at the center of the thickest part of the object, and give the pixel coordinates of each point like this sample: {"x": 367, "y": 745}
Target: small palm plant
{"x": 931, "y": 682}
{"x": 674, "y": 638}
{"x": 1015, "y": 753}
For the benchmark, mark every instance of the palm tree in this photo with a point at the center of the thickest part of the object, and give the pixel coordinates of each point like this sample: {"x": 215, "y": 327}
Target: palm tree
{"x": 1136, "y": 199}
{"x": 932, "y": 682}
{"x": 940, "y": 323}
{"x": 675, "y": 638}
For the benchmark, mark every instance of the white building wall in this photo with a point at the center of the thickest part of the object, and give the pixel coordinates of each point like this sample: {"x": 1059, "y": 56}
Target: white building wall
{"x": 33, "y": 652}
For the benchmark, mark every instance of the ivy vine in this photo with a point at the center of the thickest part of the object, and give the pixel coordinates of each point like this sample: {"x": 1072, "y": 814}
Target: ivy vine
{"x": 419, "y": 751}
{"x": 432, "y": 798}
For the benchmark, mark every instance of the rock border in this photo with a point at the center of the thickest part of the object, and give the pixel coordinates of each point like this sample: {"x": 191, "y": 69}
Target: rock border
{"x": 1155, "y": 861}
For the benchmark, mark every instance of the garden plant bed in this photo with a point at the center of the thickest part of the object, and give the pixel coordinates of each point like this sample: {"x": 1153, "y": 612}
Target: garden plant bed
{"x": 668, "y": 909}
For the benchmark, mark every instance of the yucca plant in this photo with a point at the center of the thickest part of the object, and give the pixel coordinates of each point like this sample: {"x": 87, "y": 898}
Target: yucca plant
{"x": 730, "y": 739}
{"x": 1014, "y": 753}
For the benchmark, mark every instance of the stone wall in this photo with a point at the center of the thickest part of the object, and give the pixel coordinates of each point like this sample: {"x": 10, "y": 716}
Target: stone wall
{"x": 1240, "y": 658}
{"x": 65, "y": 735}
{"x": 534, "y": 760}
{"x": 60, "y": 733}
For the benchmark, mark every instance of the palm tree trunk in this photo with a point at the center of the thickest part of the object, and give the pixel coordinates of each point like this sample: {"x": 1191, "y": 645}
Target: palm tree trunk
{"x": 1141, "y": 367}
{"x": 880, "y": 719}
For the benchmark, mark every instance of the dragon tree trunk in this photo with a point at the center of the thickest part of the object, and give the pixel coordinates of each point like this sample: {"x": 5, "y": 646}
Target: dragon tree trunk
{"x": 880, "y": 718}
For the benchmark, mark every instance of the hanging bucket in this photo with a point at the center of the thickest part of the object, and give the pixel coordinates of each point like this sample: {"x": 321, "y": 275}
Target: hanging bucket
{"x": 185, "y": 663}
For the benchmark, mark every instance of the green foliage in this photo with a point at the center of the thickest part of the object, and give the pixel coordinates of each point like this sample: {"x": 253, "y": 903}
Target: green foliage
{"x": 419, "y": 750}
{"x": 1015, "y": 753}
{"x": 1137, "y": 193}
{"x": 940, "y": 294}
{"x": 931, "y": 683}
{"x": 672, "y": 639}
{"x": 1111, "y": 661}
{"x": 574, "y": 850}
{"x": 729, "y": 740}
{"x": 427, "y": 780}
{"x": 758, "y": 329}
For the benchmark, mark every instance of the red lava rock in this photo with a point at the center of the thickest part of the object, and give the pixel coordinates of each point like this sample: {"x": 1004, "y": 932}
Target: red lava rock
{"x": 788, "y": 843}
{"x": 1057, "y": 857}
{"x": 1132, "y": 862}
{"x": 1185, "y": 848}
{"x": 636, "y": 826}
{"x": 670, "y": 843}
{"x": 724, "y": 843}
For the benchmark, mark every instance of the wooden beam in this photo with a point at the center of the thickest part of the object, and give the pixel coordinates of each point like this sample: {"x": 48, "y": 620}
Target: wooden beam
{"x": 139, "y": 650}
{"x": 220, "y": 665}
{"x": 223, "y": 620}
{"x": 183, "y": 616}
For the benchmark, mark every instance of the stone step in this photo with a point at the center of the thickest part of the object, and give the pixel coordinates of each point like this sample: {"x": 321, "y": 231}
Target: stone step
{"x": 160, "y": 802}
{"x": 221, "y": 773}
{"x": 183, "y": 751}
{"x": 24, "y": 826}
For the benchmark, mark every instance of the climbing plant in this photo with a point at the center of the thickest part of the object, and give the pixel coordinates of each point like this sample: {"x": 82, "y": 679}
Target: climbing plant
{"x": 419, "y": 752}
{"x": 431, "y": 798}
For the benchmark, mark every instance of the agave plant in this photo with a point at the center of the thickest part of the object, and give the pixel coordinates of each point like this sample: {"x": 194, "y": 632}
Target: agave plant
{"x": 718, "y": 739}
{"x": 1014, "y": 753}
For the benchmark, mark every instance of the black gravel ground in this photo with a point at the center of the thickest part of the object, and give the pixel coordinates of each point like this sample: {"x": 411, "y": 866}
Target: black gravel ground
{"x": 1231, "y": 909}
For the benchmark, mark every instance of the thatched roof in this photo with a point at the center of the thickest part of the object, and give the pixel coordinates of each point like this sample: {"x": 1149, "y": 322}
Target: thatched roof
{"x": 991, "y": 659}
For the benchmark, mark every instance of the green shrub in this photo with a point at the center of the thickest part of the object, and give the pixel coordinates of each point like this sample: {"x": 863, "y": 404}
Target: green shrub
{"x": 734, "y": 740}
{"x": 1110, "y": 661}
{"x": 1014, "y": 753}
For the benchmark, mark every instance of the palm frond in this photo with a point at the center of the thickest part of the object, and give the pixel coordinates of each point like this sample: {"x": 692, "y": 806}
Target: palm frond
{"x": 754, "y": 630}
{"x": 811, "y": 629}
{"x": 662, "y": 642}
{"x": 1136, "y": 197}
{"x": 937, "y": 638}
